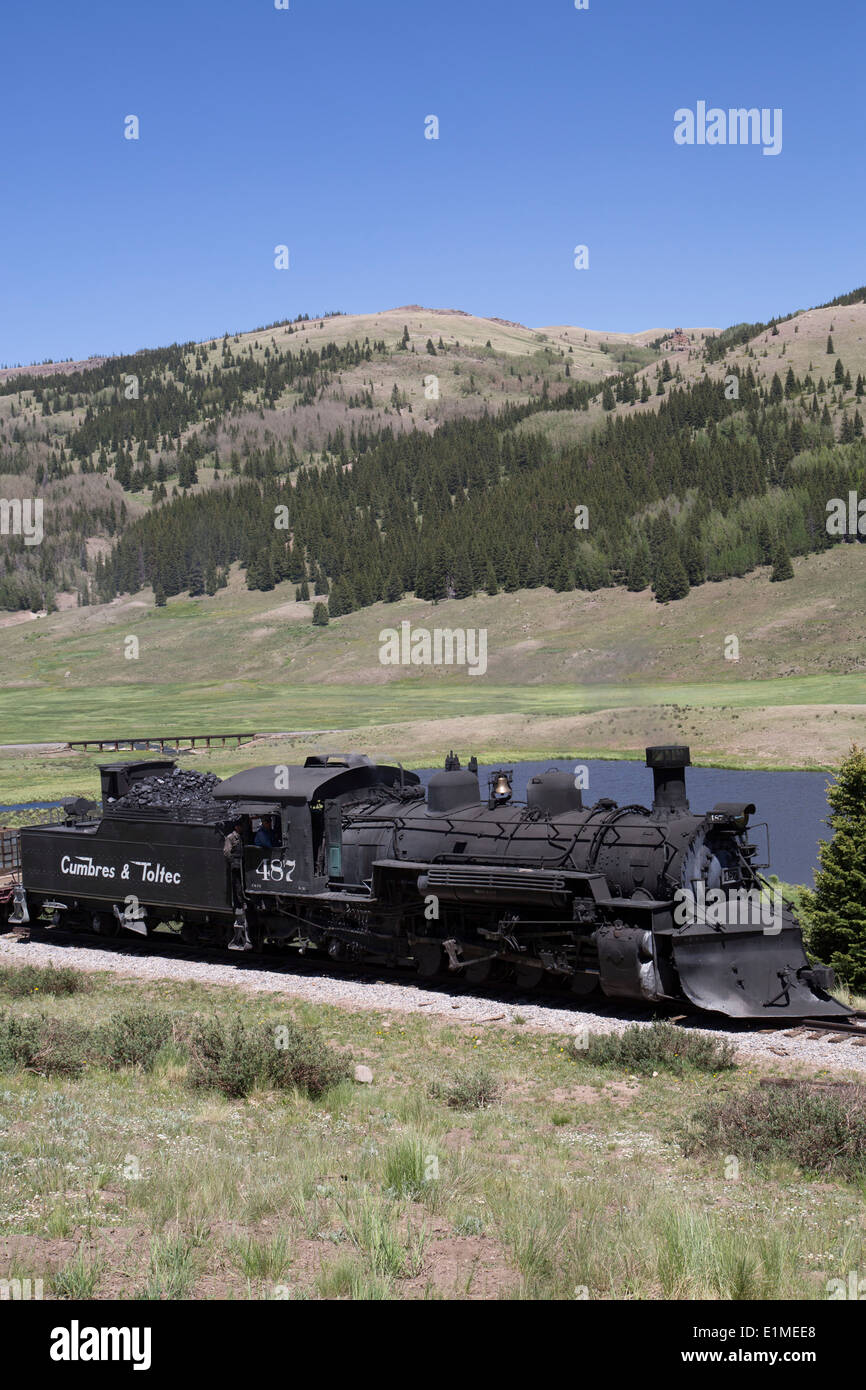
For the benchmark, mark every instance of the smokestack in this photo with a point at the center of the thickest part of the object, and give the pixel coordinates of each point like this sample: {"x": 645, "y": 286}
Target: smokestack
{"x": 668, "y": 762}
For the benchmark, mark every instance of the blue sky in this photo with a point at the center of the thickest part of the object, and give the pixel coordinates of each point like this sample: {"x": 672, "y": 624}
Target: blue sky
{"x": 305, "y": 127}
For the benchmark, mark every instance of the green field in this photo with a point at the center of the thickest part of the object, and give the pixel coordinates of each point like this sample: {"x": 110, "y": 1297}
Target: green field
{"x": 43, "y": 715}
{"x": 416, "y": 722}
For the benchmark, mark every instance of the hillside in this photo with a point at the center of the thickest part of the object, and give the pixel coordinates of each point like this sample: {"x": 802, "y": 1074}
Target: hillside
{"x": 98, "y": 440}
{"x": 535, "y": 637}
{"x": 203, "y": 498}
{"x": 334, "y": 414}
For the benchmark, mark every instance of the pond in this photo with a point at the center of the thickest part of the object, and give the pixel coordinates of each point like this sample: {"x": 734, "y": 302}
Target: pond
{"x": 793, "y": 805}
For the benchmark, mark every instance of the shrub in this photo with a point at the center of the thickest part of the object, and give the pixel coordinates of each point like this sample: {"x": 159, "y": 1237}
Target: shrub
{"x": 301, "y": 1059}
{"x": 474, "y": 1090}
{"x": 233, "y": 1057}
{"x": 134, "y": 1037}
{"x": 223, "y": 1057}
{"x": 47, "y": 1046}
{"x": 20, "y": 980}
{"x": 821, "y": 1129}
{"x": 659, "y": 1047}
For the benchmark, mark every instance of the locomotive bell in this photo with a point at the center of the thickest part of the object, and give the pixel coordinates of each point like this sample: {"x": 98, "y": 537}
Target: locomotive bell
{"x": 501, "y": 789}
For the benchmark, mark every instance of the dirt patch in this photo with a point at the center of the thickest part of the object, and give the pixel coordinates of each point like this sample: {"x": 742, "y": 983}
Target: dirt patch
{"x": 617, "y": 1092}
{"x": 13, "y": 619}
{"x": 575, "y": 1095}
{"x": 457, "y": 1139}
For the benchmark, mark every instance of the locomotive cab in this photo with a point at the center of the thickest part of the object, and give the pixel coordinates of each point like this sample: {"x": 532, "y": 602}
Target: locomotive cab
{"x": 307, "y": 804}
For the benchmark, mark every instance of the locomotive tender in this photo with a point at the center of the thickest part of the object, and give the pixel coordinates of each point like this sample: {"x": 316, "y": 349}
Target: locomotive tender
{"x": 366, "y": 867}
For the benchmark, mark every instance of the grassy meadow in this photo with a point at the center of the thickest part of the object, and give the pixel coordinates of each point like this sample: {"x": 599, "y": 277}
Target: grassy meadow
{"x": 481, "y": 1163}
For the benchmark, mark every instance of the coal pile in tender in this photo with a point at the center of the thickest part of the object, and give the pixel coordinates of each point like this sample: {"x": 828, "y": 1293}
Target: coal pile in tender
{"x": 181, "y": 791}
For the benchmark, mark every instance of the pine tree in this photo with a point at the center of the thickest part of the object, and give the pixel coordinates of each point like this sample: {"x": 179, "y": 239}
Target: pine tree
{"x": 159, "y": 596}
{"x": 320, "y": 615}
{"x": 830, "y": 347}
{"x": 782, "y": 567}
{"x": 693, "y": 561}
{"x": 563, "y": 576}
{"x": 196, "y": 580}
{"x": 342, "y": 599}
{"x": 766, "y": 545}
{"x": 187, "y": 474}
{"x": 671, "y": 580}
{"x": 835, "y": 911}
{"x": 638, "y": 576}
{"x": 607, "y": 399}
{"x": 461, "y": 580}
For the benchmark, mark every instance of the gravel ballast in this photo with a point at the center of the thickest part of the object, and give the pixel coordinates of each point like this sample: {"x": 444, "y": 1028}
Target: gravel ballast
{"x": 764, "y": 1047}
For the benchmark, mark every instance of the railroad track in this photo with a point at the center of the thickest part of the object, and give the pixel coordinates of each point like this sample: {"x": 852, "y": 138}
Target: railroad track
{"x": 851, "y": 1030}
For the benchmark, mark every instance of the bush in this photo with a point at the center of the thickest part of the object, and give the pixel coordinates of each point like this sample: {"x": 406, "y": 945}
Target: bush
{"x": 20, "y": 980}
{"x": 47, "y": 1046}
{"x": 821, "y": 1129}
{"x": 299, "y": 1058}
{"x": 134, "y": 1037}
{"x": 473, "y": 1090}
{"x": 233, "y": 1057}
{"x": 659, "y": 1047}
{"x": 223, "y": 1057}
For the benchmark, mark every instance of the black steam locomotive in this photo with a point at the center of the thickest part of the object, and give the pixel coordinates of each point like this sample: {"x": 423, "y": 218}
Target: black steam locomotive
{"x": 644, "y": 904}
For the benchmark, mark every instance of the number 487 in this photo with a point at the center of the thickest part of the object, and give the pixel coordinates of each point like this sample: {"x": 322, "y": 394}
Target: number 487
{"x": 276, "y": 870}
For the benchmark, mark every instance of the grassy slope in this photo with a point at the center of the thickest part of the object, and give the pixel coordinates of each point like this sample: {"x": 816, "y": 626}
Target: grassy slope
{"x": 515, "y": 366}
{"x": 575, "y": 674}
{"x": 801, "y": 343}
{"x": 572, "y": 1185}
